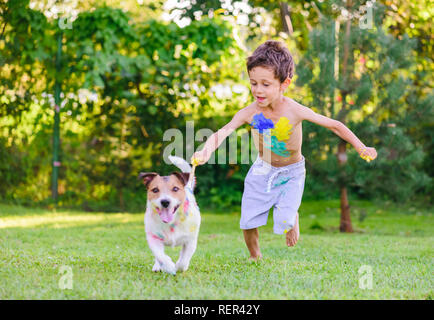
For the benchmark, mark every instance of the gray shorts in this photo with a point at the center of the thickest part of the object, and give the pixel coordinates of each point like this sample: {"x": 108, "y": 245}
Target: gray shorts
{"x": 266, "y": 186}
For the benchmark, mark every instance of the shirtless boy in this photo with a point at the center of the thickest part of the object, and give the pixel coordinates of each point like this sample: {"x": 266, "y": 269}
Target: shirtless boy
{"x": 276, "y": 178}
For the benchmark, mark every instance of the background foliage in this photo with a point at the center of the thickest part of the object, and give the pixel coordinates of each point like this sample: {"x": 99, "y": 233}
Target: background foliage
{"x": 130, "y": 73}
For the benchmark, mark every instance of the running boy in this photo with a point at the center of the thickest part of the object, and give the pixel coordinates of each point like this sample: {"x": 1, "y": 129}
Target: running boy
{"x": 276, "y": 178}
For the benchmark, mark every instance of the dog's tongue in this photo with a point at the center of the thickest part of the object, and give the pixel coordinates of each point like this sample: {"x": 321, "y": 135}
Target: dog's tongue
{"x": 166, "y": 215}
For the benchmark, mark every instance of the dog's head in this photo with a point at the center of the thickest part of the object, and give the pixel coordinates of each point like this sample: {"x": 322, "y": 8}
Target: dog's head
{"x": 165, "y": 193}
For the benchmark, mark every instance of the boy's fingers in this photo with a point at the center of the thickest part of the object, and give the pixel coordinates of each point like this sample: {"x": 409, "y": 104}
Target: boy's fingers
{"x": 367, "y": 154}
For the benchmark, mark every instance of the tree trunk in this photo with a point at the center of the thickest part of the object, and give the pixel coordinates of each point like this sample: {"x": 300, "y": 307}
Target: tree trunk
{"x": 56, "y": 128}
{"x": 286, "y": 19}
{"x": 345, "y": 225}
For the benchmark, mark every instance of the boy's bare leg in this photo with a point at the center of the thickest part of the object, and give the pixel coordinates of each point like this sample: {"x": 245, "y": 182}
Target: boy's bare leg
{"x": 293, "y": 234}
{"x": 251, "y": 236}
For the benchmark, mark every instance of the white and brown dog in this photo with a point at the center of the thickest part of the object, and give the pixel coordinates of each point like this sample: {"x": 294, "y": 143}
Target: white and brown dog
{"x": 172, "y": 216}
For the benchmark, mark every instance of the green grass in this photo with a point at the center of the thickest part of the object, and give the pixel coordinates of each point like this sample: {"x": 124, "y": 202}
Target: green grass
{"x": 110, "y": 259}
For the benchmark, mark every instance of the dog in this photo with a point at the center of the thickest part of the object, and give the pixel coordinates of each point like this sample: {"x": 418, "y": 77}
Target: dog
{"x": 172, "y": 216}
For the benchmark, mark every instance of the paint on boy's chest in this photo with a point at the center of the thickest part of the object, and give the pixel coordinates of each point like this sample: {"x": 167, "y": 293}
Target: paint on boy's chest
{"x": 275, "y": 135}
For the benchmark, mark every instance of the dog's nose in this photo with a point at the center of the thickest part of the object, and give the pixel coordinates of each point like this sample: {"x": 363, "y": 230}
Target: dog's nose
{"x": 165, "y": 203}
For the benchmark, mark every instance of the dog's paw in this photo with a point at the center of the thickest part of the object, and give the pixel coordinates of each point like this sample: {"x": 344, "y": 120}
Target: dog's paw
{"x": 169, "y": 267}
{"x": 156, "y": 267}
{"x": 180, "y": 266}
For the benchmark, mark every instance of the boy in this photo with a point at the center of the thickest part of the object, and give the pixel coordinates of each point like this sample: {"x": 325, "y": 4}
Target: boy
{"x": 276, "y": 178}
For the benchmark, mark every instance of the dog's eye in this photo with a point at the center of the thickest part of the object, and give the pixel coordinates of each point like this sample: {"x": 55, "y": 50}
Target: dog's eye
{"x": 155, "y": 190}
{"x": 175, "y": 189}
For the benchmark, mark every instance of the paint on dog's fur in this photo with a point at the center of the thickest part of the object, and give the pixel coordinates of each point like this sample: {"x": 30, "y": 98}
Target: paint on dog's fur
{"x": 186, "y": 203}
{"x": 157, "y": 236}
{"x": 193, "y": 199}
{"x": 181, "y": 215}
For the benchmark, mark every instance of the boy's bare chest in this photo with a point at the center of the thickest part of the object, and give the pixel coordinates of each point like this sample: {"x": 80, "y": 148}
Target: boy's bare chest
{"x": 265, "y": 117}
{"x": 279, "y": 132}
{"x": 280, "y": 125}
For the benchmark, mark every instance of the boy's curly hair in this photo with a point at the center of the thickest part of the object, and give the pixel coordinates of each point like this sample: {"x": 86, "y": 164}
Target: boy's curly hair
{"x": 273, "y": 54}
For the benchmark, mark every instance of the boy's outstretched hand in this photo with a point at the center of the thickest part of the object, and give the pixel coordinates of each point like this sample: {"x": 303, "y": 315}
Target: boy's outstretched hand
{"x": 199, "y": 158}
{"x": 367, "y": 153}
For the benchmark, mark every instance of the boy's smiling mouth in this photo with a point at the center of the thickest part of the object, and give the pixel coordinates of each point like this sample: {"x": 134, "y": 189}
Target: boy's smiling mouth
{"x": 260, "y": 99}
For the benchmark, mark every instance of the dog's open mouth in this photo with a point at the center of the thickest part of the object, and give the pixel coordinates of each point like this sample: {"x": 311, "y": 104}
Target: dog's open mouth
{"x": 166, "y": 214}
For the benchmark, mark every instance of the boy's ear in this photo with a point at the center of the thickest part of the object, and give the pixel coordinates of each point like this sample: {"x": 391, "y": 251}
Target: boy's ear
{"x": 285, "y": 84}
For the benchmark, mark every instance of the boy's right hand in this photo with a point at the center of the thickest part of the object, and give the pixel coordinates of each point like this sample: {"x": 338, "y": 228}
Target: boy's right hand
{"x": 367, "y": 153}
{"x": 199, "y": 157}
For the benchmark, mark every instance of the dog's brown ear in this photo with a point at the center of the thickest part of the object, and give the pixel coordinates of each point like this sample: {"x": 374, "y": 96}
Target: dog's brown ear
{"x": 147, "y": 177}
{"x": 182, "y": 176}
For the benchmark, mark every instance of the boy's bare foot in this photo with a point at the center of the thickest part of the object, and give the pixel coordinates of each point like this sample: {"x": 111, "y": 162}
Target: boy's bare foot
{"x": 293, "y": 234}
{"x": 256, "y": 259}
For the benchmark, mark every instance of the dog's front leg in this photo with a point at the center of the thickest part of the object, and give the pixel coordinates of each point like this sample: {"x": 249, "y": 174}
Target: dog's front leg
{"x": 165, "y": 263}
{"x": 157, "y": 266}
{"x": 187, "y": 252}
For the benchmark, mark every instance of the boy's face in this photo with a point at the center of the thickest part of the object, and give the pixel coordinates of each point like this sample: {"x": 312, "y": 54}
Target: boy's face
{"x": 265, "y": 87}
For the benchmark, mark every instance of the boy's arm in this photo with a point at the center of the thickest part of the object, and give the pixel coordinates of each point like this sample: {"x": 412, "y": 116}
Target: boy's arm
{"x": 218, "y": 137}
{"x": 339, "y": 129}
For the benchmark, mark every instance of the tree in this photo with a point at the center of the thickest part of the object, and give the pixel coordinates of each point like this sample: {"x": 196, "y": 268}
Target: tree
{"x": 139, "y": 74}
{"x": 356, "y": 73}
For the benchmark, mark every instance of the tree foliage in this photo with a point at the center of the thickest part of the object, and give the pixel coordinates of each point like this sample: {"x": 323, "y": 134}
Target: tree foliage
{"x": 122, "y": 84}
{"x": 128, "y": 76}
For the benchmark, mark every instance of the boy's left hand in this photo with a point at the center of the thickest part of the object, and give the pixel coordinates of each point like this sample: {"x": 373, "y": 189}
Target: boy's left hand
{"x": 367, "y": 153}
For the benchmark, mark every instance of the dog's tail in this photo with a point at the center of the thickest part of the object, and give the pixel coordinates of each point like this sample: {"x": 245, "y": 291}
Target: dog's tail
{"x": 185, "y": 167}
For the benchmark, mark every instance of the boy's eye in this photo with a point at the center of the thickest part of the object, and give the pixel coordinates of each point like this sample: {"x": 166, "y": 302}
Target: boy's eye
{"x": 155, "y": 190}
{"x": 266, "y": 85}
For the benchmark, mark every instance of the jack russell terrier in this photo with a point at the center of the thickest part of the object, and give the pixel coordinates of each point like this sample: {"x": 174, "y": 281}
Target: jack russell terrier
{"x": 172, "y": 216}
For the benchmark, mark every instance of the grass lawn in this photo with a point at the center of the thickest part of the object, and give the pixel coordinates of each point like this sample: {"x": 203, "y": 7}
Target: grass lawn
{"x": 110, "y": 259}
